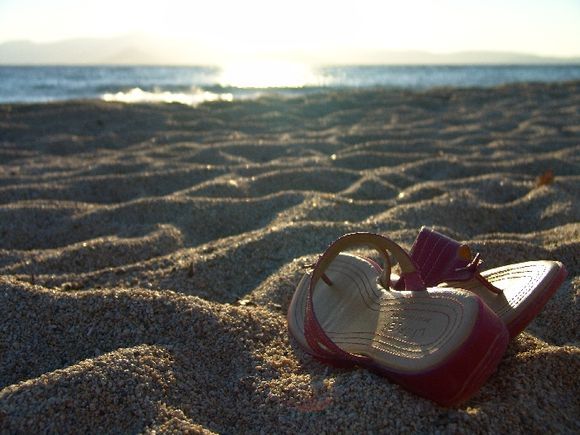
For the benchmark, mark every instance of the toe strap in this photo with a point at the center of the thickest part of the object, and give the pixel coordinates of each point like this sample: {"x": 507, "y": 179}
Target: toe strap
{"x": 316, "y": 337}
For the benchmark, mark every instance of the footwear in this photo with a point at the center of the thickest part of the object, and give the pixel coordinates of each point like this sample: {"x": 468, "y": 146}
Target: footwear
{"x": 440, "y": 343}
{"x": 516, "y": 292}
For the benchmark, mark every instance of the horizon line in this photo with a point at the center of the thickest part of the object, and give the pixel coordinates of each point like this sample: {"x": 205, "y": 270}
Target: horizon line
{"x": 384, "y": 50}
{"x": 571, "y": 62}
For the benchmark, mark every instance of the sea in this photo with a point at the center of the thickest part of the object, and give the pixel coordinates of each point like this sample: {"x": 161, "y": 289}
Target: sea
{"x": 193, "y": 85}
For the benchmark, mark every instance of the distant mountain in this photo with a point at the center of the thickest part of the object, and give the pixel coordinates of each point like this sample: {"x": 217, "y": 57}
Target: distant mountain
{"x": 478, "y": 57}
{"x": 143, "y": 49}
{"x": 415, "y": 57}
{"x": 135, "y": 49}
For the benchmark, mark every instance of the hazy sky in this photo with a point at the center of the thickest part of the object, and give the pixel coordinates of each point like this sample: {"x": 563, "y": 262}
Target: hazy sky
{"x": 545, "y": 27}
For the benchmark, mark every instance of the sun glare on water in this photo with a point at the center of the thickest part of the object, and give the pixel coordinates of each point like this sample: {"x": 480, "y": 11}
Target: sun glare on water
{"x": 267, "y": 74}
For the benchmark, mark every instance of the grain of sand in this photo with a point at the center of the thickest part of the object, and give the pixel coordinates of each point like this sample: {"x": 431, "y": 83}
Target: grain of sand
{"x": 148, "y": 254}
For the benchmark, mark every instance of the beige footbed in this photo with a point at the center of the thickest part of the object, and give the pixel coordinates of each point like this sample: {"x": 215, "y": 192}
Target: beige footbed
{"x": 521, "y": 284}
{"x": 405, "y": 331}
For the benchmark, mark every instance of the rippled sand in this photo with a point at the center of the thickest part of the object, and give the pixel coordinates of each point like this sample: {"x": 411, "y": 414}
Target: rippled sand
{"x": 148, "y": 254}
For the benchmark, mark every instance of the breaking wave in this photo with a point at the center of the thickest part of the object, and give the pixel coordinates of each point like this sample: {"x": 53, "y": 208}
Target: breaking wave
{"x": 193, "y": 98}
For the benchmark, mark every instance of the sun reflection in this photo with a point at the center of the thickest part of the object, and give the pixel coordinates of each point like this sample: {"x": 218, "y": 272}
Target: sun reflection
{"x": 268, "y": 74}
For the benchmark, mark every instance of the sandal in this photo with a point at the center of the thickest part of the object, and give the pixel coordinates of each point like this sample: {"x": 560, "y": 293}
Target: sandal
{"x": 516, "y": 292}
{"x": 439, "y": 343}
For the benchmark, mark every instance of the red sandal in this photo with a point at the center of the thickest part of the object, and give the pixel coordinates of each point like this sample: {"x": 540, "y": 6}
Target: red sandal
{"x": 439, "y": 343}
{"x": 516, "y": 292}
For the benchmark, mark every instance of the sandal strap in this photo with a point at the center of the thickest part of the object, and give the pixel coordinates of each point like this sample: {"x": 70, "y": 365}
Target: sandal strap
{"x": 315, "y": 335}
{"x": 441, "y": 259}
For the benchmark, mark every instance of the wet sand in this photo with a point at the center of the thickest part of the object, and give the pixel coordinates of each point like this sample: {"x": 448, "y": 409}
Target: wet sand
{"x": 148, "y": 254}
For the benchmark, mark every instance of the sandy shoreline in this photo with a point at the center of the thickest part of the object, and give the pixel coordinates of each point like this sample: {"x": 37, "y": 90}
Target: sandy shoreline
{"x": 148, "y": 254}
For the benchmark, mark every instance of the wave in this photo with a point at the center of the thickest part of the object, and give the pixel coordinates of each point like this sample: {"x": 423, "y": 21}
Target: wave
{"x": 193, "y": 98}
{"x": 194, "y": 85}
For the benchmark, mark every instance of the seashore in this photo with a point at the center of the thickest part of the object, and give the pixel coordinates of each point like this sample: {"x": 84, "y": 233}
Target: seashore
{"x": 148, "y": 254}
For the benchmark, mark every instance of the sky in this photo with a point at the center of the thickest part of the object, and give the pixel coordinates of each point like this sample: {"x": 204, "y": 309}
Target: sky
{"x": 255, "y": 27}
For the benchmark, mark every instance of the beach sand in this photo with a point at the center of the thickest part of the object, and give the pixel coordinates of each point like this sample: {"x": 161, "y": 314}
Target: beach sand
{"x": 148, "y": 254}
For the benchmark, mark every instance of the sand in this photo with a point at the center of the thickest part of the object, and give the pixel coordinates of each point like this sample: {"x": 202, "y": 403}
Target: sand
{"x": 148, "y": 254}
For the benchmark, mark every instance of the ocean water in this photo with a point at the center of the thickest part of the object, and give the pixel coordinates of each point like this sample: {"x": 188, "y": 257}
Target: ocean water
{"x": 193, "y": 85}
